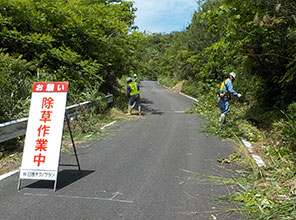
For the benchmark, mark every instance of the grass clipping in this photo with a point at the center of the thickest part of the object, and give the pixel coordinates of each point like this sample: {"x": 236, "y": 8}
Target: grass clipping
{"x": 264, "y": 193}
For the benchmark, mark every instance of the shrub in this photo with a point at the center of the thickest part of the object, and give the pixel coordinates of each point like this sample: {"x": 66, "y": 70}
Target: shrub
{"x": 15, "y": 86}
{"x": 287, "y": 127}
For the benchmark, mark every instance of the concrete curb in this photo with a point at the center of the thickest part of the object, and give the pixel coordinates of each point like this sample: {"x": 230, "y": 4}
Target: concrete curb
{"x": 194, "y": 99}
{"x": 108, "y": 125}
{"x": 249, "y": 147}
{"x": 163, "y": 86}
{"x": 4, "y": 176}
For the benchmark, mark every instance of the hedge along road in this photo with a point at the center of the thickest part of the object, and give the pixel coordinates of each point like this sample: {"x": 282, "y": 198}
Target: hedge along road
{"x": 149, "y": 167}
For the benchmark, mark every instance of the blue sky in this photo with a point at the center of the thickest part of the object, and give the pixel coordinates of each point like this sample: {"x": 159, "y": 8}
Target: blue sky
{"x": 164, "y": 16}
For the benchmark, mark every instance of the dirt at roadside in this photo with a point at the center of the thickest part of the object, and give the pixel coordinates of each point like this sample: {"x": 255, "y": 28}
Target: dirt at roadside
{"x": 178, "y": 87}
{"x": 10, "y": 163}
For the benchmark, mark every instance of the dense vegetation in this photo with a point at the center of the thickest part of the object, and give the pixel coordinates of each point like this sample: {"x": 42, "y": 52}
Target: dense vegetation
{"x": 92, "y": 43}
{"x": 255, "y": 39}
{"x": 88, "y": 43}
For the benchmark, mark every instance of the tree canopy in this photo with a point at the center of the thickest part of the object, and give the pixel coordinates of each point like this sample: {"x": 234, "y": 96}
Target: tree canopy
{"x": 256, "y": 39}
{"x": 90, "y": 43}
{"x": 85, "y": 42}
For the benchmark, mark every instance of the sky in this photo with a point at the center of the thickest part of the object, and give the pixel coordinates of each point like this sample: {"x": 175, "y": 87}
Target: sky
{"x": 164, "y": 16}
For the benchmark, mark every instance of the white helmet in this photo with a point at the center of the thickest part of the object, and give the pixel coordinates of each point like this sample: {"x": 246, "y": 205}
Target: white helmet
{"x": 232, "y": 74}
{"x": 135, "y": 75}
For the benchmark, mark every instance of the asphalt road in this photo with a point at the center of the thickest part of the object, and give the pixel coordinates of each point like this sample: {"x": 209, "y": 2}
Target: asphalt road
{"x": 154, "y": 167}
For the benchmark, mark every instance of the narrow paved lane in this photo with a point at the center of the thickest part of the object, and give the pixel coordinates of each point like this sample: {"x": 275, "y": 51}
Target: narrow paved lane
{"x": 149, "y": 167}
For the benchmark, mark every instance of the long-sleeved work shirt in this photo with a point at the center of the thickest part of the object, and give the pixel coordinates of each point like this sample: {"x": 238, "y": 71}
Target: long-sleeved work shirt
{"x": 229, "y": 88}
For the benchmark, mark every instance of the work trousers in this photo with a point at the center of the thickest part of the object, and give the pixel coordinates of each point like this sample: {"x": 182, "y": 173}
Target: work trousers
{"x": 223, "y": 104}
{"x": 134, "y": 98}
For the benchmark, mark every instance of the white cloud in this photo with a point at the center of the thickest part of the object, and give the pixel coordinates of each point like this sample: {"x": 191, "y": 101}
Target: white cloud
{"x": 164, "y": 15}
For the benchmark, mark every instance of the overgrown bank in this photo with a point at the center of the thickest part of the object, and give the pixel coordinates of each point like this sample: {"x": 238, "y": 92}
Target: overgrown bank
{"x": 256, "y": 39}
{"x": 88, "y": 43}
{"x": 268, "y": 192}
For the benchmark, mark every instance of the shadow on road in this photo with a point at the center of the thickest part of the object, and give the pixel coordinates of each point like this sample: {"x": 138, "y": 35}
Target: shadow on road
{"x": 65, "y": 178}
{"x": 146, "y": 107}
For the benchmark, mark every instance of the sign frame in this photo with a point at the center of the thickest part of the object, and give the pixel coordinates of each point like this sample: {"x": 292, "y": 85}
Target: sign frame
{"x": 46, "y": 138}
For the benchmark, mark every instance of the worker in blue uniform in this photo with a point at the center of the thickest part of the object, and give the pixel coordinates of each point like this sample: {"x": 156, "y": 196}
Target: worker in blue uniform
{"x": 224, "y": 95}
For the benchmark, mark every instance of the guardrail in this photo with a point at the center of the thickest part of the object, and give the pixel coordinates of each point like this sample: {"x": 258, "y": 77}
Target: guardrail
{"x": 13, "y": 129}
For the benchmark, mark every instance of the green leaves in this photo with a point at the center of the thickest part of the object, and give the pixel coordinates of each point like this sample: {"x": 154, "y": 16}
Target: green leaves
{"x": 14, "y": 87}
{"x": 86, "y": 42}
{"x": 256, "y": 39}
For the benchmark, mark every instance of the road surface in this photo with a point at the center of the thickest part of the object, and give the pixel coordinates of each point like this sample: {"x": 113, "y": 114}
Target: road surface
{"x": 150, "y": 167}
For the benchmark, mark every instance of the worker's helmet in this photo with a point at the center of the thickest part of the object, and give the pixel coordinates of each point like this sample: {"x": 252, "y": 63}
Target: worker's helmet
{"x": 128, "y": 79}
{"x": 135, "y": 75}
{"x": 232, "y": 74}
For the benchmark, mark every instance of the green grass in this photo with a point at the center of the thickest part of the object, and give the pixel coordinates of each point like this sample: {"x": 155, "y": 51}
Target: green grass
{"x": 168, "y": 81}
{"x": 263, "y": 193}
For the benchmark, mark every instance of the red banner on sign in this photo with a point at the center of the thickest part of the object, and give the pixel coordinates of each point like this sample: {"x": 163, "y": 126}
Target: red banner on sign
{"x": 44, "y": 131}
{"x": 50, "y": 87}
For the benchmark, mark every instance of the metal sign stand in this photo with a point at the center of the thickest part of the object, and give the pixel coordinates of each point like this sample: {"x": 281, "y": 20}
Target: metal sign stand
{"x": 76, "y": 156}
{"x": 19, "y": 184}
{"x": 74, "y": 148}
{"x": 73, "y": 144}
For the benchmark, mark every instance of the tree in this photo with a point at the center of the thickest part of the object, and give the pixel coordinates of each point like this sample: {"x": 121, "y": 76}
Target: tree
{"x": 85, "y": 42}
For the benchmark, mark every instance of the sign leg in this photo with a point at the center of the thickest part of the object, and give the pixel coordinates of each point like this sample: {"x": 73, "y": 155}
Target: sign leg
{"x": 55, "y": 185}
{"x": 19, "y": 184}
{"x": 73, "y": 144}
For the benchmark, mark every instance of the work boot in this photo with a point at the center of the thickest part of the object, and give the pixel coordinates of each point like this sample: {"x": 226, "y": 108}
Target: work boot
{"x": 222, "y": 119}
{"x": 129, "y": 110}
{"x": 139, "y": 108}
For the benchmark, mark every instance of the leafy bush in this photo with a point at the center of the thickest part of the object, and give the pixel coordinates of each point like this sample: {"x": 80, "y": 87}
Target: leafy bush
{"x": 167, "y": 81}
{"x": 287, "y": 127}
{"x": 15, "y": 87}
{"x": 87, "y": 43}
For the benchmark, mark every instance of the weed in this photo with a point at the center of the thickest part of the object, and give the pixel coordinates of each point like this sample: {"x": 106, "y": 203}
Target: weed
{"x": 168, "y": 81}
{"x": 264, "y": 193}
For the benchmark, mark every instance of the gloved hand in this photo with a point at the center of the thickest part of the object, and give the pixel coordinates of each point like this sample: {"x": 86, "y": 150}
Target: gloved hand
{"x": 239, "y": 95}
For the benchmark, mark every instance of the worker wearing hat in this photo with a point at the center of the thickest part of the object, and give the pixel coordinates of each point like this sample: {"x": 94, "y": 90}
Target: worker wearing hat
{"x": 132, "y": 91}
{"x": 224, "y": 94}
{"x": 136, "y": 79}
